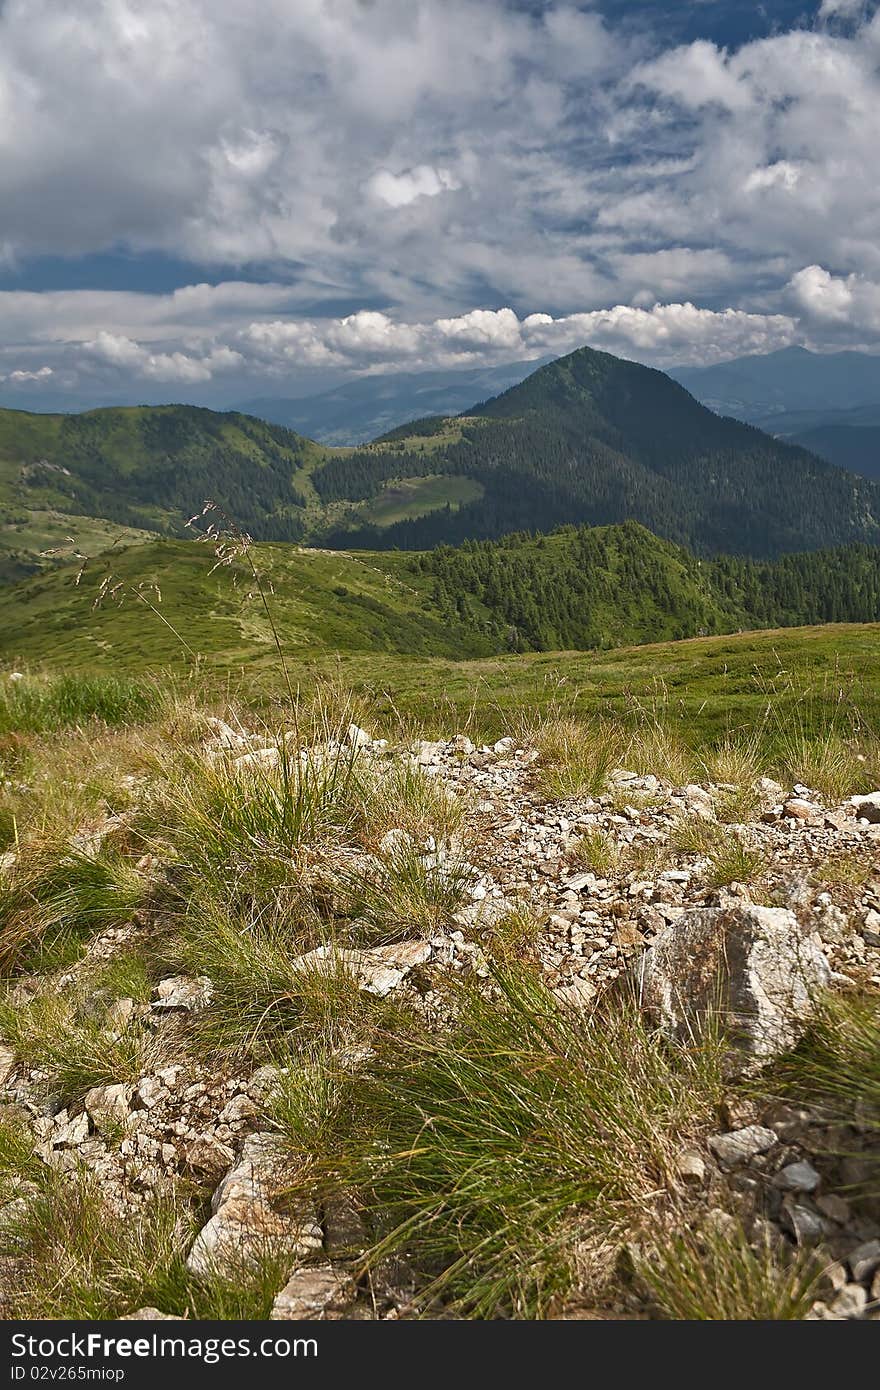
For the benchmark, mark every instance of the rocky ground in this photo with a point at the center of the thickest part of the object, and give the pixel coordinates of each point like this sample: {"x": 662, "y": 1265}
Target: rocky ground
{"x": 815, "y": 870}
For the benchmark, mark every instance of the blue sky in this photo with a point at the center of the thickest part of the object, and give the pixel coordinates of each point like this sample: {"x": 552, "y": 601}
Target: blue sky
{"x": 208, "y": 201}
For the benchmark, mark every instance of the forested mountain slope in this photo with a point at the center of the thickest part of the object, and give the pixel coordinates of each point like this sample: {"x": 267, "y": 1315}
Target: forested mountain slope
{"x": 579, "y": 588}
{"x": 588, "y": 439}
{"x": 591, "y": 438}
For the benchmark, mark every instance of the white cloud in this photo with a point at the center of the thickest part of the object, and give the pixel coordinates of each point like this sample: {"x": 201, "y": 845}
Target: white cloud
{"x": 852, "y": 300}
{"x": 116, "y": 350}
{"x": 843, "y": 9}
{"x": 397, "y": 190}
{"x": 198, "y": 339}
{"x": 18, "y": 377}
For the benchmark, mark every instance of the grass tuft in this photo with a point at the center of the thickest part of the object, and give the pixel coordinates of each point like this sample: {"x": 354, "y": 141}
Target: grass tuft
{"x": 719, "y": 1276}
{"x": 73, "y": 1044}
{"x": 74, "y": 1259}
{"x": 576, "y": 757}
{"x": 55, "y": 897}
{"x": 504, "y": 1150}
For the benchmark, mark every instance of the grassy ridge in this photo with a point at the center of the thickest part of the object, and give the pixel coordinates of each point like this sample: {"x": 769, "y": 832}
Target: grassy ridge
{"x": 138, "y": 469}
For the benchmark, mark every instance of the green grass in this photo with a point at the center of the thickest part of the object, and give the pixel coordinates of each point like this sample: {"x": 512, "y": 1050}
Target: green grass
{"x": 576, "y": 755}
{"x": 76, "y": 1260}
{"x": 38, "y": 705}
{"x": 837, "y": 1067}
{"x": 720, "y": 1276}
{"x": 731, "y": 862}
{"x": 72, "y": 1042}
{"x": 508, "y": 1159}
{"x": 55, "y": 897}
{"x": 409, "y": 497}
{"x": 405, "y": 894}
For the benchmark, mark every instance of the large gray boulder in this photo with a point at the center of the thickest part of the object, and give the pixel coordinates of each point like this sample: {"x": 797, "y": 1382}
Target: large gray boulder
{"x": 752, "y": 968}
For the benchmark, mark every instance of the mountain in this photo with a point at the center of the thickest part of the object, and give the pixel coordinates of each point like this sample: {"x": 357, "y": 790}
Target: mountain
{"x": 361, "y": 410}
{"x": 579, "y": 588}
{"x": 142, "y": 469}
{"x": 593, "y": 439}
{"x": 588, "y": 439}
{"x": 849, "y": 438}
{"x": 827, "y": 403}
{"x": 760, "y": 389}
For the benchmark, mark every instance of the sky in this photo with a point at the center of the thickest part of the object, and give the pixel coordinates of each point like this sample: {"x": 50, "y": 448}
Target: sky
{"x": 207, "y": 201}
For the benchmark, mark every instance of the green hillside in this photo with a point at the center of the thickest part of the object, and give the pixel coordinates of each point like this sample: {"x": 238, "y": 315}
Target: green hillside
{"x": 121, "y": 474}
{"x": 588, "y": 439}
{"x": 579, "y": 588}
{"x": 152, "y": 467}
{"x": 591, "y": 438}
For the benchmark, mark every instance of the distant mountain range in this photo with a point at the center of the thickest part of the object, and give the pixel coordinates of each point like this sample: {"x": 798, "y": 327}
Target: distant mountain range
{"x": 828, "y": 403}
{"x": 587, "y": 439}
{"x": 361, "y": 410}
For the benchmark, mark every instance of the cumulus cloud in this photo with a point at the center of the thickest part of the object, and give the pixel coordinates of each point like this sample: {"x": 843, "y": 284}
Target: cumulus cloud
{"x": 116, "y": 350}
{"x": 197, "y": 340}
{"x": 370, "y": 340}
{"x": 422, "y": 182}
{"x": 19, "y": 377}
{"x": 852, "y": 300}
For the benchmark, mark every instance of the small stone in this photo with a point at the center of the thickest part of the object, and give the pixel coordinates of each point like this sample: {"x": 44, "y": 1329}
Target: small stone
{"x": 578, "y": 882}
{"x": 208, "y": 1155}
{"x": 71, "y": 1133}
{"x": 690, "y": 1167}
{"x": 867, "y": 807}
{"x": 239, "y": 1108}
{"x": 627, "y": 934}
{"x": 7, "y": 1064}
{"x": 395, "y": 841}
{"x": 834, "y": 1276}
{"x": 315, "y": 1291}
{"x": 358, "y": 738}
{"x": 849, "y": 1303}
{"x": 259, "y": 758}
{"x": 741, "y": 1145}
{"x": 798, "y": 809}
{"x": 120, "y": 1013}
{"x": 107, "y": 1106}
{"x": 149, "y": 1315}
{"x": 804, "y": 1224}
{"x": 864, "y": 1260}
{"x": 577, "y": 995}
{"x": 179, "y": 993}
{"x": 378, "y": 969}
{"x": 798, "y": 1177}
{"x": 721, "y": 1223}
{"x": 150, "y": 1091}
{"x": 835, "y": 1208}
{"x": 768, "y": 788}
